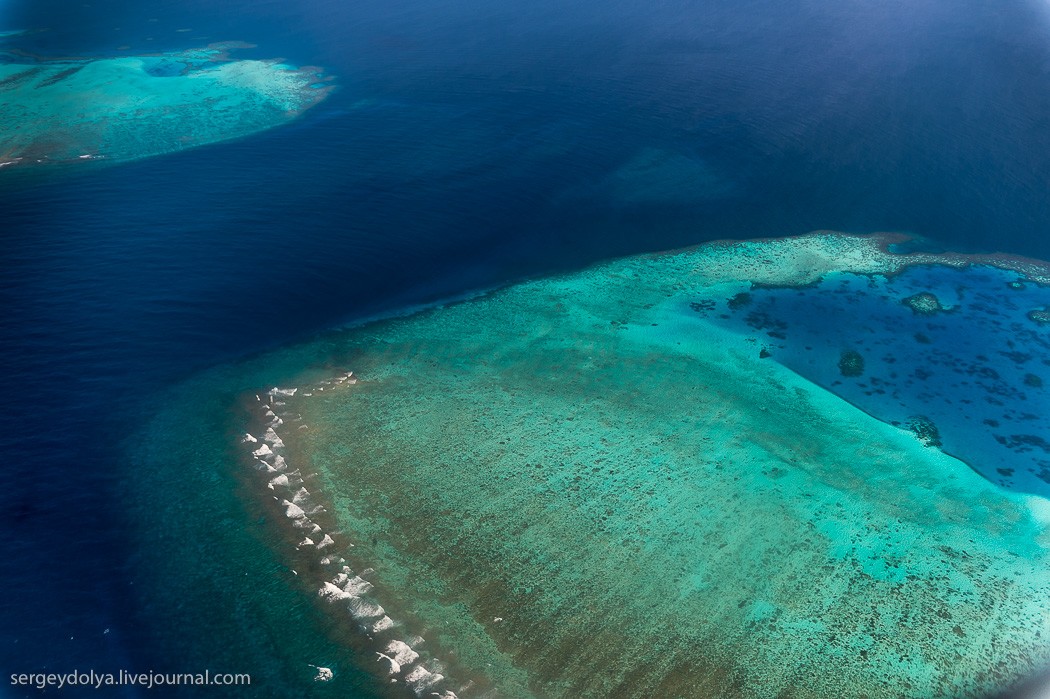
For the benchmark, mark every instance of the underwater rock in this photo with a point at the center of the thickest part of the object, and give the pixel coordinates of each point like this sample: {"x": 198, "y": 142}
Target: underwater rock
{"x": 661, "y": 177}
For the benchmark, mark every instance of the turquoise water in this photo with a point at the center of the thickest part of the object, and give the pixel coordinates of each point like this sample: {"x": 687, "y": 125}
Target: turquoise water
{"x": 580, "y": 487}
{"x": 122, "y": 108}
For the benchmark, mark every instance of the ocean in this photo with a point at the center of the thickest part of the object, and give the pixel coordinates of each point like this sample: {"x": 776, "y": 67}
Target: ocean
{"x": 468, "y": 144}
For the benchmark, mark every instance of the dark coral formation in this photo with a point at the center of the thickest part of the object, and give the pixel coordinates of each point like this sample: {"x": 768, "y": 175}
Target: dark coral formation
{"x": 925, "y": 430}
{"x": 924, "y": 304}
{"x": 851, "y": 363}
{"x": 59, "y": 77}
{"x": 1024, "y": 442}
{"x": 739, "y": 301}
{"x": 20, "y": 77}
{"x": 1040, "y": 316}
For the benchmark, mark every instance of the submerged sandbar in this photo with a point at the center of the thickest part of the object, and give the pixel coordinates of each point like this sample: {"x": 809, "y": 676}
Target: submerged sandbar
{"x": 128, "y": 107}
{"x": 578, "y": 487}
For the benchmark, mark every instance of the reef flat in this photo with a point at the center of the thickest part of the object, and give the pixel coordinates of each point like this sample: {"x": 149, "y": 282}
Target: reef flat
{"x": 129, "y": 107}
{"x": 580, "y": 486}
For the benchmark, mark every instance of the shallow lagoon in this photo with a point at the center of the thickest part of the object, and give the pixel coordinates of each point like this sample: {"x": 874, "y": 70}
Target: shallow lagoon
{"x": 968, "y": 371}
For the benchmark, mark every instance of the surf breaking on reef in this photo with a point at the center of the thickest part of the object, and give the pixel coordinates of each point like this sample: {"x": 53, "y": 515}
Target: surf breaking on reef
{"x": 337, "y": 584}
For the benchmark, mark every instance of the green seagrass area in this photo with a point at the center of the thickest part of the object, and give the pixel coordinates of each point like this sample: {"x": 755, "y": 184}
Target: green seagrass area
{"x": 129, "y": 107}
{"x": 576, "y": 487}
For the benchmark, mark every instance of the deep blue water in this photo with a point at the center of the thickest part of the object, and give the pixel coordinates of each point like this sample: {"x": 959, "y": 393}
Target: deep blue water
{"x": 470, "y": 143}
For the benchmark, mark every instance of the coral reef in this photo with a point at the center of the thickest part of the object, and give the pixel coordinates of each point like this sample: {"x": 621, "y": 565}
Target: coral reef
{"x": 128, "y": 107}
